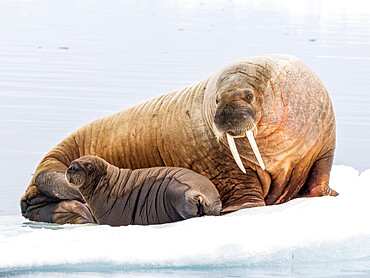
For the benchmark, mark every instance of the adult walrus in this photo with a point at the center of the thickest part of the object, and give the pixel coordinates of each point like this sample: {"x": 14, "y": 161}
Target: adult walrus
{"x": 155, "y": 195}
{"x": 276, "y": 97}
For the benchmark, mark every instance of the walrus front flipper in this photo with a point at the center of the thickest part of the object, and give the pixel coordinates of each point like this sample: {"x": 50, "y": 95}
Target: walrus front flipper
{"x": 55, "y": 185}
{"x": 73, "y": 212}
{"x": 239, "y": 194}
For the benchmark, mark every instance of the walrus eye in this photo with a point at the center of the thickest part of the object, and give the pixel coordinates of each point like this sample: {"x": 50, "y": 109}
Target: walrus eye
{"x": 250, "y": 96}
{"x": 89, "y": 167}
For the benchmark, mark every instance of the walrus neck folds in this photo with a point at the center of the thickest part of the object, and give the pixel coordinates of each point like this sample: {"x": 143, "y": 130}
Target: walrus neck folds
{"x": 113, "y": 176}
{"x": 100, "y": 182}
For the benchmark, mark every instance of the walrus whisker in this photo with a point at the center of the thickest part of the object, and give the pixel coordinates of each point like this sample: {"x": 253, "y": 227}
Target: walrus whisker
{"x": 235, "y": 153}
{"x": 255, "y": 149}
{"x": 255, "y": 131}
{"x": 217, "y": 132}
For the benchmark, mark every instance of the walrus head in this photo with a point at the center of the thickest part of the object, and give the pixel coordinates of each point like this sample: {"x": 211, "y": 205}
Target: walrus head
{"x": 84, "y": 170}
{"x": 237, "y": 111}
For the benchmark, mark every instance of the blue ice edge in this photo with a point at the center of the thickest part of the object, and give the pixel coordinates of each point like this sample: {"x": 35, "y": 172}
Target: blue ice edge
{"x": 345, "y": 257}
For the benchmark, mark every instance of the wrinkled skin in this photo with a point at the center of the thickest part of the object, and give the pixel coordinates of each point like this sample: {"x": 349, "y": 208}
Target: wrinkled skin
{"x": 290, "y": 113}
{"x": 289, "y": 110}
{"x": 156, "y": 195}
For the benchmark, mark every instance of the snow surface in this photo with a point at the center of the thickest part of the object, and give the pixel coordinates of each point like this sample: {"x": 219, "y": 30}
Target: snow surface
{"x": 324, "y": 231}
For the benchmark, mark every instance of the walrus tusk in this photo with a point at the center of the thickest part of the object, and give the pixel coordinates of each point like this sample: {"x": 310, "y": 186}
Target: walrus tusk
{"x": 255, "y": 149}
{"x": 235, "y": 153}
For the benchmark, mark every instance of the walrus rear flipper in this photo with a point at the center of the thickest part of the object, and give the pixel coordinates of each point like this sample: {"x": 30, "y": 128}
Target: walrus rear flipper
{"x": 51, "y": 199}
{"x": 64, "y": 212}
{"x": 45, "y": 209}
{"x": 317, "y": 183}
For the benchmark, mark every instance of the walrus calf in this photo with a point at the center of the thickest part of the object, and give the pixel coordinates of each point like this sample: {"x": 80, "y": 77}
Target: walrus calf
{"x": 156, "y": 195}
{"x": 262, "y": 129}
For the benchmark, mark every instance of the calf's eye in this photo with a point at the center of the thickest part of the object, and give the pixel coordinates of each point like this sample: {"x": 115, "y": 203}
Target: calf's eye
{"x": 250, "y": 96}
{"x": 89, "y": 167}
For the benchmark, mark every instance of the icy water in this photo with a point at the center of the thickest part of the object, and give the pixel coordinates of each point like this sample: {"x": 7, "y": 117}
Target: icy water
{"x": 65, "y": 63}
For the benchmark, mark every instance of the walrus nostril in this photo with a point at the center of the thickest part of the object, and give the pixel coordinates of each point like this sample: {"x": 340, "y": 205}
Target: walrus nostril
{"x": 72, "y": 168}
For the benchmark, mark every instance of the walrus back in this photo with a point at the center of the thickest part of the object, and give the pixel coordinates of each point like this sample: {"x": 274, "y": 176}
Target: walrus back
{"x": 140, "y": 197}
{"x": 149, "y": 134}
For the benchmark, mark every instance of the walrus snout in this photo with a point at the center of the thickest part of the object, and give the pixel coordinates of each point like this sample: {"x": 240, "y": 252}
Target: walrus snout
{"x": 237, "y": 120}
{"x": 75, "y": 174}
{"x": 234, "y": 119}
{"x": 73, "y": 168}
